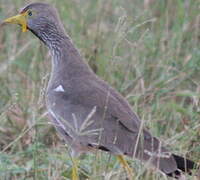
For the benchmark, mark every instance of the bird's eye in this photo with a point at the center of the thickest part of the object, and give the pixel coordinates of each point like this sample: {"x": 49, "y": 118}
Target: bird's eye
{"x": 30, "y": 13}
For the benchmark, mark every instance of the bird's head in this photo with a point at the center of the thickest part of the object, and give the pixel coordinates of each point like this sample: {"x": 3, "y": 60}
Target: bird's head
{"x": 39, "y": 18}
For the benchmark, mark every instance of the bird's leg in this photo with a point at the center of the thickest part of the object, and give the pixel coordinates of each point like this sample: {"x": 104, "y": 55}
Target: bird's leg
{"x": 74, "y": 157}
{"x": 75, "y": 169}
{"x": 125, "y": 166}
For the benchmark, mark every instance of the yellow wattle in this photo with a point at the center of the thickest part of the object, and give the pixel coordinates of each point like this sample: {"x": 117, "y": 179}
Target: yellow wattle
{"x": 18, "y": 19}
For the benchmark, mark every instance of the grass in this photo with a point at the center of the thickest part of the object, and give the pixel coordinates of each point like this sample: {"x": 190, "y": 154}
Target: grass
{"x": 148, "y": 50}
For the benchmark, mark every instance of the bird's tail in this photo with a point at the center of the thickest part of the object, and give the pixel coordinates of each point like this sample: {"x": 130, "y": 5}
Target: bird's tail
{"x": 183, "y": 165}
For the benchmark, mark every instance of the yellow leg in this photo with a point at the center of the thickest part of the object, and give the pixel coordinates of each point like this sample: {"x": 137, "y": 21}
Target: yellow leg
{"x": 125, "y": 166}
{"x": 75, "y": 169}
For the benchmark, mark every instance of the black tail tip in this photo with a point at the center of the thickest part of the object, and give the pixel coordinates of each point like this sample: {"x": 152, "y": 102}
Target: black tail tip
{"x": 184, "y": 165}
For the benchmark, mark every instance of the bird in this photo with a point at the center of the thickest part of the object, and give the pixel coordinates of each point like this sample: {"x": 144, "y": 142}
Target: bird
{"x": 86, "y": 111}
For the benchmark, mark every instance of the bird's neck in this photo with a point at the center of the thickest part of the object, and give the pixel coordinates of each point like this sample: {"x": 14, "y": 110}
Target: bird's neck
{"x": 66, "y": 59}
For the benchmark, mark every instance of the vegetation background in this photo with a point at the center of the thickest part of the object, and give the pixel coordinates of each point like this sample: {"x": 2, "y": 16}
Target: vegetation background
{"x": 147, "y": 49}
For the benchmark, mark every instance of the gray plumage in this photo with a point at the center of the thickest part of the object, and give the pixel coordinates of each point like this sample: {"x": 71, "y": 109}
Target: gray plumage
{"x": 86, "y": 111}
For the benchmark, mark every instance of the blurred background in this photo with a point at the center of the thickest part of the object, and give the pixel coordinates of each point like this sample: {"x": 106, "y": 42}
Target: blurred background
{"x": 147, "y": 49}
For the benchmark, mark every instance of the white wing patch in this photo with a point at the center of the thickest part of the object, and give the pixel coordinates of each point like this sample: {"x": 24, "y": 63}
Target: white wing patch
{"x": 59, "y": 89}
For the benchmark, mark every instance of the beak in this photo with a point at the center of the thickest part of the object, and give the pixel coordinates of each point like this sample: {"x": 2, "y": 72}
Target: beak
{"x": 18, "y": 19}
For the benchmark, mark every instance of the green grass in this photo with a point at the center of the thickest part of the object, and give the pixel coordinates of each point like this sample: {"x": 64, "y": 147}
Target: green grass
{"x": 151, "y": 55}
